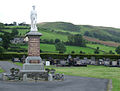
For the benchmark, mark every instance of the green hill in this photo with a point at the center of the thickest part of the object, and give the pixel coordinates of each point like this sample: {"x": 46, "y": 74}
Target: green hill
{"x": 61, "y": 30}
{"x": 59, "y": 26}
{"x": 101, "y": 33}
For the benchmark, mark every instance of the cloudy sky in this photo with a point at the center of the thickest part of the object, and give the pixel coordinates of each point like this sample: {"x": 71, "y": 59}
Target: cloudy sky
{"x": 91, "y": 12}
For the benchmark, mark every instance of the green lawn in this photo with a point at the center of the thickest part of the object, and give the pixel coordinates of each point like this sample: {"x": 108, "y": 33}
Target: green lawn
{"x": 102, "y": 47}
{"x": 1, "y": 70}
{"x": 92, "y": 71}
{"x": 19, "y": 64}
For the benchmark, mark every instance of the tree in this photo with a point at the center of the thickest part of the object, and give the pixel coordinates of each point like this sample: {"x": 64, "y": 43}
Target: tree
{"x": 14, "y": 32}
{"x": 60, "y": 47}
{"x": 51, "y": 41}
{"x": 118, "y": 50}
{"x": 76, "y": 40}
{"x": 1, "y": 50}
{"x": 1, "y": 25}
{"x": 73, "y": 52}
{"x": 6, "y": 40}
{"x": 97, "y": 51}
{"x": 81, "y": 52}
{"x": 111, "y": 52}
{"x": 57, "y": 40}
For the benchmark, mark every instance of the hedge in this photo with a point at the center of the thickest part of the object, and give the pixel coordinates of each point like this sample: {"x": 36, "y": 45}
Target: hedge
{"x": 7, "y": 56}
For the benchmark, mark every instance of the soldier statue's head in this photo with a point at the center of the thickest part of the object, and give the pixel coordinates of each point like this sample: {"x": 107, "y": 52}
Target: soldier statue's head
{"x": 33, "y": 7}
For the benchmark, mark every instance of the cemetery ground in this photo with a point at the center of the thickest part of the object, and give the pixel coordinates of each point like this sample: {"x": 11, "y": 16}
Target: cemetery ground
{"x": 103, "y": 72}
{"x": 71, "y": 83}
{"x": 1, "y": 70}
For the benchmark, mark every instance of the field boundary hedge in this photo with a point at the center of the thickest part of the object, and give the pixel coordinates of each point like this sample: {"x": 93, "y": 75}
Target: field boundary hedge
{"x": 7, "y": 56}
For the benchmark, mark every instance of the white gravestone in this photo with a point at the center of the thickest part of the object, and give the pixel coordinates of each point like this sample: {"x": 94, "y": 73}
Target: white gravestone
{"x": 114, "y": 63}
{"x": 47, "y": 63}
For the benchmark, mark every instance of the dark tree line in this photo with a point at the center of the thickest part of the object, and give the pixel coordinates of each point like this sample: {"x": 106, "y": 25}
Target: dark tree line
{"x": 76, "y": 40}
{"x": 6, "y": 37}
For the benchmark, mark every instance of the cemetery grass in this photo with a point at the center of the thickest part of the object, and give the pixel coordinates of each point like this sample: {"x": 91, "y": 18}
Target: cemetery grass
{"x": 91, "y": 71}
{"x": 19, "y": 64}
{"x": 94, "y": 71}
{"x": 1, "y": 70}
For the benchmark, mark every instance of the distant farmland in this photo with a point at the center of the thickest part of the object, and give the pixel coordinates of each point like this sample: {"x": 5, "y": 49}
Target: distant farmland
{"x": 114, "y": 44}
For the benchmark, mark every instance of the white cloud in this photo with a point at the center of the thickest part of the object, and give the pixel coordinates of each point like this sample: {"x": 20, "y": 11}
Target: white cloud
{"x": 92, "y": 12}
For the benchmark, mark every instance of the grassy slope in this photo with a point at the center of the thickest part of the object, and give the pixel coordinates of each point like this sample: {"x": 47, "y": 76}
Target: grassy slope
{"x": 51, "y": 48}
{"x": 53, "y": 35}
{"x": 92, "y": 71}
{"x": 69, "y": 27}
{"x": 46, "y": 34}
{"x": 76, "y": 49}
{"x": 102, "y": 47}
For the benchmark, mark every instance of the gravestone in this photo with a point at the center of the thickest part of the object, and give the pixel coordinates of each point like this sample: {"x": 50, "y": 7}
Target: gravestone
{"x": 114, "y": 63}
{"x": 47, "y": 63}
{"x": 79, "y": 63}
{"x": 23, "y": 59}
{"x": 118, "y": 62}
{"x": 88, "y": 61}
{"x": 63, "y": 63}
{"x": 16, "y": 60}
{"x": 85, "y": 58}
{"x": 101, "y": 62}
{"x": 93, "y": 61}
{"x": 106, "y": 63}
{"x": 92, "y": 58}
{"x": 50, "y": 77}
{"x": 107, "y": 59}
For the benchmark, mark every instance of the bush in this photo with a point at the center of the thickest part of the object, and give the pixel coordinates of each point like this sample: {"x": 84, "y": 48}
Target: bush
{"x": 73, "y": 52}
{"x": 58, "y": 56}
{"x": 1, "y": 49}
{"x": 118, "y": 50}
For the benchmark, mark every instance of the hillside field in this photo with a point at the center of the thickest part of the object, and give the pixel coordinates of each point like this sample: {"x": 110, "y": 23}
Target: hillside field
{"x": 102, "y": 47}
{"x": 51, "y": 48}
{"x": 61, "y": 32}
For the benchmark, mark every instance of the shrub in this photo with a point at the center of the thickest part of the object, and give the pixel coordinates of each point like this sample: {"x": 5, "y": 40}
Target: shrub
{"x": 58, "y": 56}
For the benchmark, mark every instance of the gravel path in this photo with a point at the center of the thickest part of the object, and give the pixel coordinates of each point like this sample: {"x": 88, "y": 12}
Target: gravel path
{"x": 71, "y": 83}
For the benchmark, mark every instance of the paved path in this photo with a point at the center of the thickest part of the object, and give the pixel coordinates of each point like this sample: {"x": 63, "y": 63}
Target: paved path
{"x": 6, "y": 66}
{"x": 71, "y": 83}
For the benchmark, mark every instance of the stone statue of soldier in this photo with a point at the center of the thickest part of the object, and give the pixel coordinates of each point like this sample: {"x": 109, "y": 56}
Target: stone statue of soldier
{"x": 33, "y": 17}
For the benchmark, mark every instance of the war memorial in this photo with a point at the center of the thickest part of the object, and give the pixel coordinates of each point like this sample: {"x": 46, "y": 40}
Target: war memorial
{"x": 34, "y": 76}
{"x": 33, "y": 68}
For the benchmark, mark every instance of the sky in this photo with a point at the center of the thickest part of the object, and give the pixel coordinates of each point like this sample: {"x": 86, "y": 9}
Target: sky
{"x": 80, "y": 12}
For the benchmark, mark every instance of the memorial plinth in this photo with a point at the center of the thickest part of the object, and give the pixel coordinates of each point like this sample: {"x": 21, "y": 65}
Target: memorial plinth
{"x": 33, "y": 47}
{"x": 33, "y": 63}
